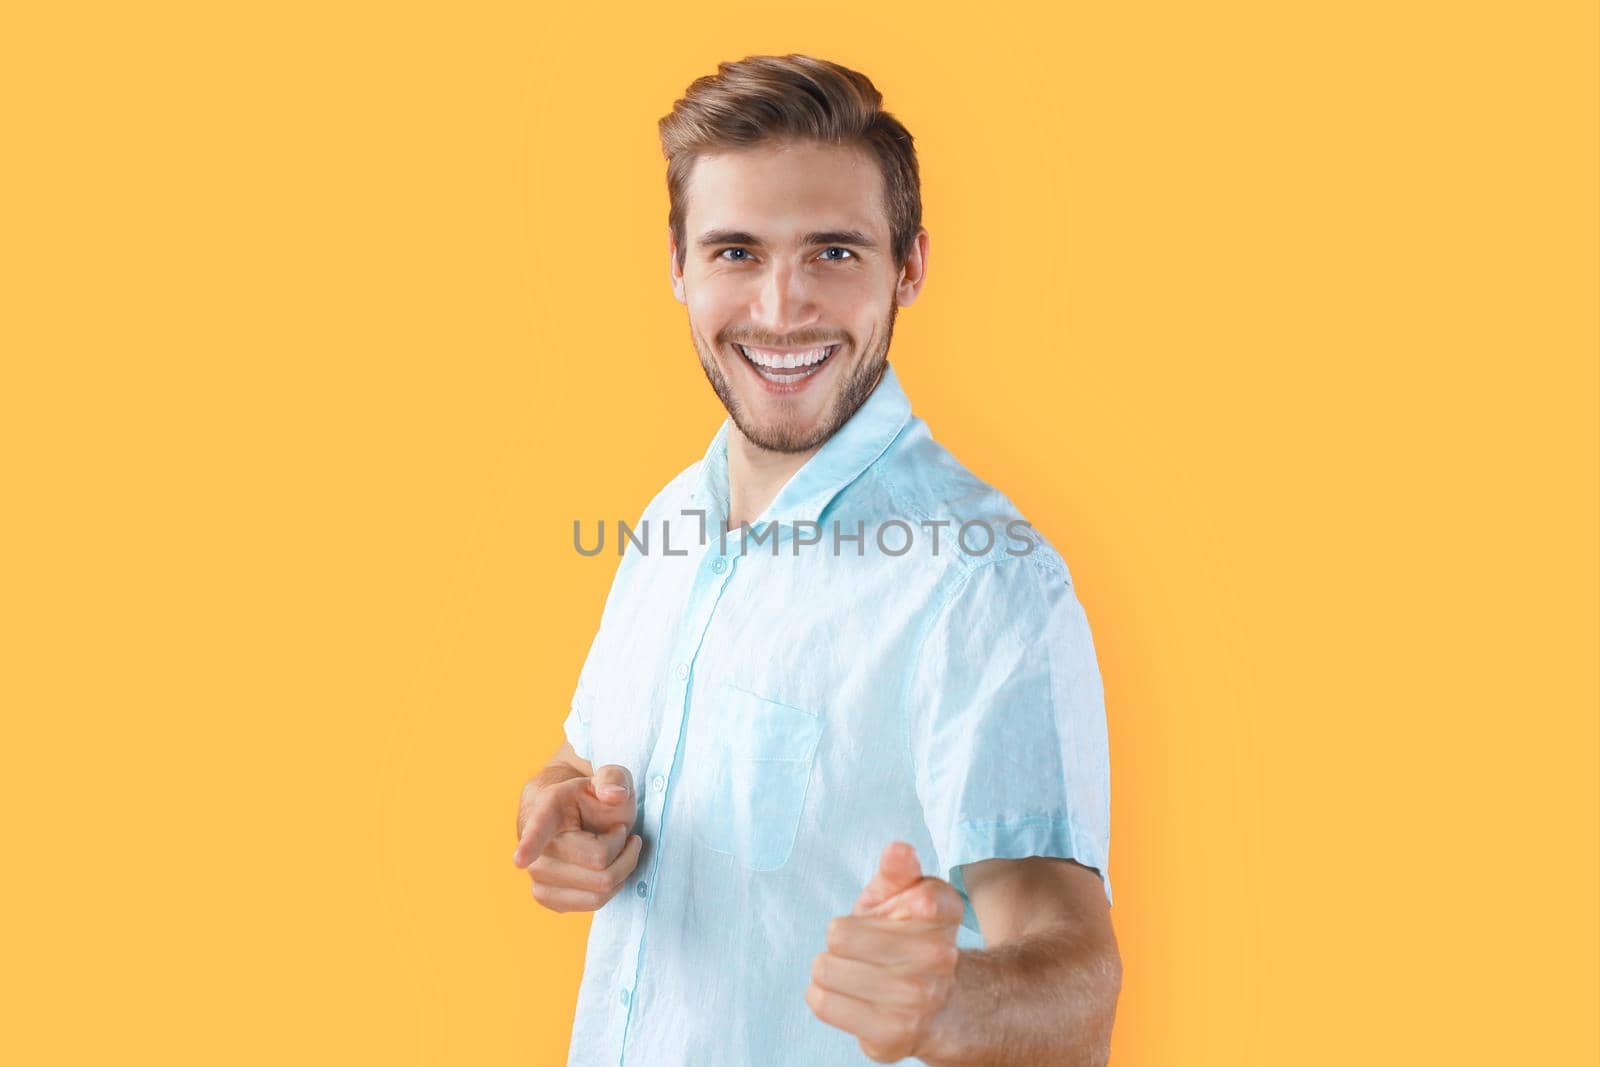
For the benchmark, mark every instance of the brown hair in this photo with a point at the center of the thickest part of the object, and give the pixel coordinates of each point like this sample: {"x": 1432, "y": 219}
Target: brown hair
{"x": 762, "y": 98}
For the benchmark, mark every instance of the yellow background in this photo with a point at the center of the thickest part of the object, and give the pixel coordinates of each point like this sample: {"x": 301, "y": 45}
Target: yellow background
{"x": 323, "y": 322}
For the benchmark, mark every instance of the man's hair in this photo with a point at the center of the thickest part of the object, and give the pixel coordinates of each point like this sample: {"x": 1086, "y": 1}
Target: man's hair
{"x": 799, "y": 97}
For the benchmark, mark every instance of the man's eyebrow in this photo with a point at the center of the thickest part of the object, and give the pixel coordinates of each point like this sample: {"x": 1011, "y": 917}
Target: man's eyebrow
{"x": 840, "y": 237}
{"x": 820, "y": 237}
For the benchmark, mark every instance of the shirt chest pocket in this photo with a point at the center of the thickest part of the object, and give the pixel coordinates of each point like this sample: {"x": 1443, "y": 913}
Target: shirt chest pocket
{"x": 752, "y": 788}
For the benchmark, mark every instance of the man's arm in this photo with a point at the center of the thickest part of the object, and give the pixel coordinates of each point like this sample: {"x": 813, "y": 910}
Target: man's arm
{"x": 1044, "y": 988}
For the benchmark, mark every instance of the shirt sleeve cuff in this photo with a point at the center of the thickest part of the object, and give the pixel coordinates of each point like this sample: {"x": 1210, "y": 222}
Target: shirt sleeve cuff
{"x": 577, "y": 731}
{"x": 1018, "y": 838}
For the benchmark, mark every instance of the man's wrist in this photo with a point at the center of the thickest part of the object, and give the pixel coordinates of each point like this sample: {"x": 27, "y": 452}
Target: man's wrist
{"x": 948, "y": 1043}
{"x": 1005, "y": 1006}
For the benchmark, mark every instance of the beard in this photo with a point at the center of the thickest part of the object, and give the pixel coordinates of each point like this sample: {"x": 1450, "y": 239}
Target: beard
{"x": 787, "y": 436}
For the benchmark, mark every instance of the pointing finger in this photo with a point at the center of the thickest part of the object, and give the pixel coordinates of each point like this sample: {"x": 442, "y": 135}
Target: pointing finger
{"x": 898, "y": 870}
{"x": 931, "y": 902}
{"x": 542, "y": 825}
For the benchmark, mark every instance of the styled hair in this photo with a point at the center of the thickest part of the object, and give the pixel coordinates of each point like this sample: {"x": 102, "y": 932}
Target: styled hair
{"x": 792, "y": 97}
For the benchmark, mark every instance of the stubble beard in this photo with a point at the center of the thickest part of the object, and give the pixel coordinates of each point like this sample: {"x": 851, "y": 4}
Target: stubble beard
{"x": 785, "y": 436}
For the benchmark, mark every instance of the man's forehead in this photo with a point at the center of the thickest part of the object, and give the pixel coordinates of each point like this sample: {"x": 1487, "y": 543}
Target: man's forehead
{"x": 781, "y": 193}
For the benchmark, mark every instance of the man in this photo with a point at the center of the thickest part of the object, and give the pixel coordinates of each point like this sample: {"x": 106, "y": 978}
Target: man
{"x": 834, "y": 656}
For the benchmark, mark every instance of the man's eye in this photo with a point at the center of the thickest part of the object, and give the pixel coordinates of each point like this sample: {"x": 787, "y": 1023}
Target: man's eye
{"x": 725, "y": 251}
{"x": 836, "y": 248}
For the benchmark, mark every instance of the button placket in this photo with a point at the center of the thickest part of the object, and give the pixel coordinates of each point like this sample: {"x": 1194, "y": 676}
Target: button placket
{"x": 707, "y": 593}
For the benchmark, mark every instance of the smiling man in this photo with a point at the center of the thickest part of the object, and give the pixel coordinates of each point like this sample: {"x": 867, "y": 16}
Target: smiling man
{"x": 865, "y": 664}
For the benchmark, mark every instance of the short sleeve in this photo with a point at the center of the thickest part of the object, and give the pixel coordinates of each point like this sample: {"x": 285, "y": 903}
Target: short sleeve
{"x": 577, "y": 726}
{"x": 1007, "y": 723}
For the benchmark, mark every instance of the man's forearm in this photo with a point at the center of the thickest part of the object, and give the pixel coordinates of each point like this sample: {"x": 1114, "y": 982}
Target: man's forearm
{"x": 1046, "y": 999}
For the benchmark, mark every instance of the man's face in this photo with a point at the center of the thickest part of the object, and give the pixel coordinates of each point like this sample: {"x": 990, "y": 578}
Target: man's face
{"x": 787, "y": 261}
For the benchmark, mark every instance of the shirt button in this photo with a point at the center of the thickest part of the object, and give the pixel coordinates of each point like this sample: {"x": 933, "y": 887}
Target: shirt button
{"x": 719, "y": 565}
{"x": 643, "y": 889}
{"x": 682, "y": 672}
{"x": 623, "y": 996}
{"x": 657, "y": 783}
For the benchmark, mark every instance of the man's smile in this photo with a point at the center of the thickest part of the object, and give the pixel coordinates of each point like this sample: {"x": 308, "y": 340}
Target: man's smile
{"x": 786, "y": 370}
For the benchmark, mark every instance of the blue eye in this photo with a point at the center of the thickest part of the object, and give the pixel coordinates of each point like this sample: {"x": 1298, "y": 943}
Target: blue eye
{"x": 744, "y": 254}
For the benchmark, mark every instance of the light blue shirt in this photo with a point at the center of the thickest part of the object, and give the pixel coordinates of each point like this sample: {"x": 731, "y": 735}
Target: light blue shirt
{"x": 786, "y": 715}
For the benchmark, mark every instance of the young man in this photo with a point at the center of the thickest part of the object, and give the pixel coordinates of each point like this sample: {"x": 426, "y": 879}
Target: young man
{"x": 838, "y": 656}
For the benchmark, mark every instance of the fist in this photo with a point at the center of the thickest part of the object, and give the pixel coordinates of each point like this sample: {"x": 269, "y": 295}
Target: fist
{"x": 889, "y": 967}
{"x": 574, "y": 841}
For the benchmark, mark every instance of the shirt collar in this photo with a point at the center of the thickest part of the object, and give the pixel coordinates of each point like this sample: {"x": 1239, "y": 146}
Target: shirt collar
{"x": 853, "y": 448}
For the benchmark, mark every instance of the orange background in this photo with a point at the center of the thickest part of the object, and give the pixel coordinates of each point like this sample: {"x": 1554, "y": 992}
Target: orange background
{"x": 322, "y": 324}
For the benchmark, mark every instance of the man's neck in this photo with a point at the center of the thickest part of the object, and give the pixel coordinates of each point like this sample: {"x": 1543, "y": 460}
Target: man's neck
{"x": 755, "y": 476}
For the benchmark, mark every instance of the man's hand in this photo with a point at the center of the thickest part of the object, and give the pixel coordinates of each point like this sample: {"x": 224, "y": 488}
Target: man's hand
{"x": 890, "y": 965}
{"x": 574, "y": 839}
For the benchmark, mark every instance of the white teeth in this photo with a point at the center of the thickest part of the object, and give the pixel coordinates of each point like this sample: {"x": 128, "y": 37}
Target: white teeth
{"x": 775, "y": 361}
{"x": 786, "y": 379}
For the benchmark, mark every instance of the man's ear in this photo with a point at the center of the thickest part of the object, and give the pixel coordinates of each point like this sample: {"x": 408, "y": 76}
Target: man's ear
{"x": 915, "y": 271}
{"x": 673, "y": 271}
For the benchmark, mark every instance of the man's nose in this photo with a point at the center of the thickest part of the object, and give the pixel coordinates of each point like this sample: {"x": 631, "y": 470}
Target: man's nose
{"x": 784, "y": 300}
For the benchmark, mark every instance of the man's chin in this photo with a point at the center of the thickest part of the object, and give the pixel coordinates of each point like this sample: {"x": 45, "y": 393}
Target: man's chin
{"x": 783, "y": 424}
{"x": 787, "y": 435}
